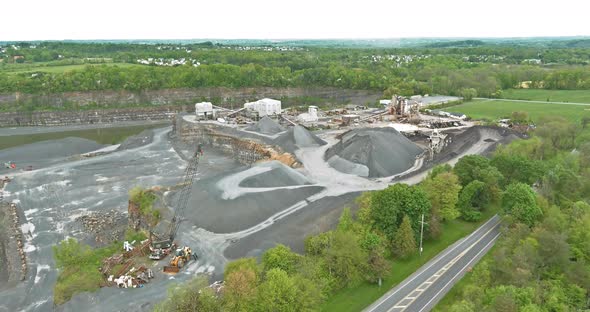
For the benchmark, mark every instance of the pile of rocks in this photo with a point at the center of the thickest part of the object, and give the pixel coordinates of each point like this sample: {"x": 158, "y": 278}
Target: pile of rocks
{"x": 106, "y": 226}
{"x": 18, "y": 237}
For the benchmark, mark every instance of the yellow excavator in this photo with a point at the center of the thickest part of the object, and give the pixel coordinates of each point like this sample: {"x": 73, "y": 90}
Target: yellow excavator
{"x": 181, "y": 257}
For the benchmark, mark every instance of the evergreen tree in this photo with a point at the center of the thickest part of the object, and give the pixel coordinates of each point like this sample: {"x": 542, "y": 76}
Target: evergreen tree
{"x": 404, "y": 243}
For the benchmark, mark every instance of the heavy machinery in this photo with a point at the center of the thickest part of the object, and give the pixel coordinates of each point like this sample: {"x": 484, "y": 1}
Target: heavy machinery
{"x": 182, "y": 256}
{"x": 161, "y": 248}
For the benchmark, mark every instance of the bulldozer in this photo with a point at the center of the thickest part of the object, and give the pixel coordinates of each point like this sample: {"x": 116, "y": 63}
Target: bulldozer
{"x": 182, "y": 256}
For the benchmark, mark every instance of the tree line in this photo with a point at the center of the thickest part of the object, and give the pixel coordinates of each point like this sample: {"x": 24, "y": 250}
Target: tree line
{"x": 486, "y": 70}
{"x": 542, "y": 260}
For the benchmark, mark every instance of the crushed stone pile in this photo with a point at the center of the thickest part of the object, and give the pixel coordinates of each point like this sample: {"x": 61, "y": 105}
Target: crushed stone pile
{"x": 277, "y": 174}
{"x": 297, "y": 137}
{"x": 373, "y": 152}
{"x": 266, "y": 126}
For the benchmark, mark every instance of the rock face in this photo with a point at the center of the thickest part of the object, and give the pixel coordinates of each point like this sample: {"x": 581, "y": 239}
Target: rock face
{"x": 373, "y": 152}
{"x": 164, "y": 103}
{"x": 232, "y": 142}
{"x": 219, "y": 95}
{"x": 136, "y": 220}
{"x": 52, "y": 118}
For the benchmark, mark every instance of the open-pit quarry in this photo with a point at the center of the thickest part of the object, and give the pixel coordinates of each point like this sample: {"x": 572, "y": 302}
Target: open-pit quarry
{"x": 257, "y": 185}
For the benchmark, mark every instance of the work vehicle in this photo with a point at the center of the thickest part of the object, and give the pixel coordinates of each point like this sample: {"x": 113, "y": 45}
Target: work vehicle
{"x": 160, "y": 249}
{"x": 182, "y": 256}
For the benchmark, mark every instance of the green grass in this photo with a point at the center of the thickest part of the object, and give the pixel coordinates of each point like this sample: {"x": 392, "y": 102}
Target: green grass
{"x": 576, "y": 96}
{"x": 102, "y": 136}
{"x": 491, "y": 110}
{"x": 79, "y": 268}
{"x": 56, "y": 69}
{"x": 361, "y": 296}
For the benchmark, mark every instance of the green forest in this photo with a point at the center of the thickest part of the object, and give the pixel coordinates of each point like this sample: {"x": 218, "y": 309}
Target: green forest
{"x": 451, "y": 69}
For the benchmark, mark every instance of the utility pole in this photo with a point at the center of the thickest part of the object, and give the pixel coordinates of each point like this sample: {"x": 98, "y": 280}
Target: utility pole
{"x": 421, "y": 233}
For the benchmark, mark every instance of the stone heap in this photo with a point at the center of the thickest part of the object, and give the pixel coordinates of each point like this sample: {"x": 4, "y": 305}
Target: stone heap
{"x": 106, "y": 226}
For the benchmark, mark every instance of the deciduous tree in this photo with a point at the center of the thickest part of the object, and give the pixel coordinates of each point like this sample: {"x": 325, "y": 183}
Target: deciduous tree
{"x": 443, "y": 193}
{"x": 388, "y": 206}
{"x": 519, "y": 200}
{"x": 345, "y": 259}
{"x": 280, "y": 257}
{"x": 472, "y": 200}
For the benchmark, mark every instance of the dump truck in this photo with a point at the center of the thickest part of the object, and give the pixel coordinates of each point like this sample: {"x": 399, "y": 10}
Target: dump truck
{"x": 181, "y": 257}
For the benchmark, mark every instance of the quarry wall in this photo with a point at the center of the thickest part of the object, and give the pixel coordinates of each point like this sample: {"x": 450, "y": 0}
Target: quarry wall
{"x": 223, "y": 96}
{"x": 18, "y": 109}
{"x": 61, "y": 118}
{"x": 244, "y": 150}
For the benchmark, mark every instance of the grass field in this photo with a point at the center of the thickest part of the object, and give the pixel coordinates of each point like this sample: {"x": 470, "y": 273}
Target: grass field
{"x": 358, "y": 298}
{"x": 30, "y": 68}
{"x": 491, "y": 110}
{"x": 576, "y": 96}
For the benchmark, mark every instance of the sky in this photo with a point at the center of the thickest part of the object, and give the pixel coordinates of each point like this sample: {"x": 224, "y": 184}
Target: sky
{"x": 290, "y": 19}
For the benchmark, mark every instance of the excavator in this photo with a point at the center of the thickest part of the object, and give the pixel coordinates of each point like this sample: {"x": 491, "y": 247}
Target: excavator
{"x": 162, "y": 248}
{"x": 182, "y": 256}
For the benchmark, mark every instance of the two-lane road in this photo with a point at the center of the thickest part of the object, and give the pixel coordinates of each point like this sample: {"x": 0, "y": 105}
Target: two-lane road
{"x": 423, "y": 290}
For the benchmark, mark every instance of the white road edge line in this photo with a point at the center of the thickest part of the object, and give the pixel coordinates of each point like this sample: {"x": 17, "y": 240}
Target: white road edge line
{"x": 460, "y": 271}
{"x": 451, "y": 263}
{"x": 433, "y": 263}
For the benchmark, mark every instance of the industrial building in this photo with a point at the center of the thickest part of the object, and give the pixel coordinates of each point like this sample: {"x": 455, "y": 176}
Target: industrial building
{"x": 204, "y": 110}
{"x": 265, "y": 107}
{"x": 310, "y": 116}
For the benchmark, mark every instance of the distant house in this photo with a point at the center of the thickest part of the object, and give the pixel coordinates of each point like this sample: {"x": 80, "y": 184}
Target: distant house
{"x": 18, "y": 58}
{"x": 354, "y": 107}
{"x": 460, "y": 116}
{"x": 265, "y": 107}
{"x": 384, "y": 102}
{"x": 310, "y": 116}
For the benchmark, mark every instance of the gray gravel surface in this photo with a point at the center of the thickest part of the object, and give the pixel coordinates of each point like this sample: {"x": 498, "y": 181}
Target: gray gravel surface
{"x": 384, "y": 151}
{"x": 266, "y": 126}
{"x": 45, "y": 153}
{"x": 298, "y": 137}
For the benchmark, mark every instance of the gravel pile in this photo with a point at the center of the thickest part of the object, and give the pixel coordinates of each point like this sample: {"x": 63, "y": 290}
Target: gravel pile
{"x": 266, "y": 126}
{"x": 373, "y": 152}
{"x": 277, "y": 175}
{"x": 298, "y": 137}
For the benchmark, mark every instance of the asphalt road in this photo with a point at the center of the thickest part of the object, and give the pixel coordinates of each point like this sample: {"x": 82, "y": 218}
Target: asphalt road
{"x": 426, "y": 287}
{"x": 533, "y": 101}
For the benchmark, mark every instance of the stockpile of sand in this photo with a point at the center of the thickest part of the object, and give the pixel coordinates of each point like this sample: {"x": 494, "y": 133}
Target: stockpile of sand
{"x": 276, "y": 174}
{"x": 266, "y": 126}
{"x": 297, "y": 137}
{"x": 373, "y": 152}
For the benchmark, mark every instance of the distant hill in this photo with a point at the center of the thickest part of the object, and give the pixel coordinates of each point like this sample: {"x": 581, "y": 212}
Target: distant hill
{"x": 556, "y": 42}
{"x": 456, "y": 44}
{"x": 580, "y": 43}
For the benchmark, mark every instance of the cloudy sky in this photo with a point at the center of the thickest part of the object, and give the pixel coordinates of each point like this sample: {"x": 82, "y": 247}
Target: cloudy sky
{"x": 287, "y": 19}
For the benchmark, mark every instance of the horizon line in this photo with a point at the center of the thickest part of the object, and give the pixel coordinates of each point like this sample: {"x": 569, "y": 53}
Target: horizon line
{"x": 303, "y": 38}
